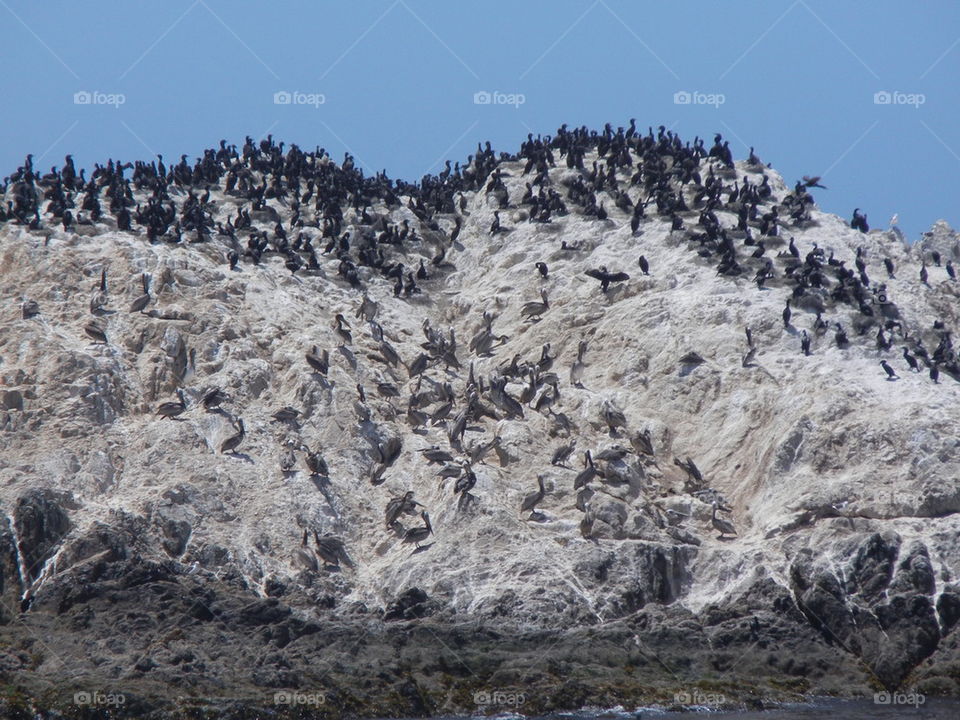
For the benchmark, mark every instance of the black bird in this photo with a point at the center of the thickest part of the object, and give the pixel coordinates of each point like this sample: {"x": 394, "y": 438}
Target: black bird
{"x": 213, "y": 399}
{"x": 888, "y": 264}
{"x": 923, "y": 273}
{"x": 891, "y": 375}
{"x": 911, "y": 360}
{"x": 316, "y": 463}
{"x": 805, "y": 343}
{"x": 319, "y": 361}
{"x": 172, "y": 409}
{"x": 644, "y": 265}
{"x": 542, "y": 268}
{"x": 950, "y": 271}
{"x": 786, "y": 314}
{"x": 606, "y": 277}
{"x": 934, "y": 373}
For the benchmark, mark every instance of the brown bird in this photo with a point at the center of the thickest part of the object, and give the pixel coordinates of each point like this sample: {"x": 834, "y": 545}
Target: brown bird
{"x": 96, "y": 332}
{"x": 230, "y": 444}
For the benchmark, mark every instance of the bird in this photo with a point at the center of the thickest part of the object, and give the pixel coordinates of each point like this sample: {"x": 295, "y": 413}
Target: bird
{"x": 143, "y": 300}
{"x": 542, "y": 269}
{"x": 231, "y": 443}
{"x": 342, "y": 329}
{"x": 418, "y": 534}
{"x": 288, "y": 459}
{"x": 534, "y": 310}
{"x": 172, "y": 409}
{"x": 606, "y": 277}
{"x": 786, "y": 314}
{"x": 722, "y": 526}
{"x": 576, "y": 370}
{"x": 402, "y": 504}
{"x": 213, "y": 399}
{"x": 319, "y": 360}
{"x": 587, "y": 474}
{"x": 315, "y": 462}
{"x": 891, "y": 375}
{"x": 613, "y": 417}
{"x": 644, "y": 265}
{"x": 531, "y": 499}
{"x": 96, "y": 332}
{"x": 911, "y": 360}
{"x": 805, "y": 343}
{"x": 561, "y": 454}
{"x": 813, "y": 182}
{"x": 934, "y": 373}
{"x": 331, "y": 549}
{"x": 286, "y": 414}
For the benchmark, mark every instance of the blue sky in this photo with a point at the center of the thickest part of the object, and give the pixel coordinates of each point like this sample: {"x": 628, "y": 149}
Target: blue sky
{"x": 394, "y": 81}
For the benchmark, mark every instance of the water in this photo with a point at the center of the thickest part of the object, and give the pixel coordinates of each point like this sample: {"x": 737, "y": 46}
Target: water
{"x": 935, "y": 709}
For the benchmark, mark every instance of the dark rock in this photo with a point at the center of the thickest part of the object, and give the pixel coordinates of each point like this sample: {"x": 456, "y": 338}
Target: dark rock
{"x": 410, "y": 604}
{"x": 40, "y": 522}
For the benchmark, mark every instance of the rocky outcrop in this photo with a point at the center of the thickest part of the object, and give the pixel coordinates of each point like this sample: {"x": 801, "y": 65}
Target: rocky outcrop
{"x": 148, "y": 557}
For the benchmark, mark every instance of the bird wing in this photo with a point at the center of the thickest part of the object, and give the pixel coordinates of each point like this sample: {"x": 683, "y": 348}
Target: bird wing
{"x": 596, "y": 273}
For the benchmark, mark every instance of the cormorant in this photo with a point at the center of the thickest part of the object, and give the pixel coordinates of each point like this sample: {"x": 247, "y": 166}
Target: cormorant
{"x": 172, "y": 409}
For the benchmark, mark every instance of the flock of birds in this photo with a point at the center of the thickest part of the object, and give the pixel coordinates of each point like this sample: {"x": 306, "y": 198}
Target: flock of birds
{"x": 302, "y": 208}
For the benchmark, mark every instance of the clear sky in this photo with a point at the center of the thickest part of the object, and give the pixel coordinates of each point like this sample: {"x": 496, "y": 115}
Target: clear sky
{"x": 394, "y": 81}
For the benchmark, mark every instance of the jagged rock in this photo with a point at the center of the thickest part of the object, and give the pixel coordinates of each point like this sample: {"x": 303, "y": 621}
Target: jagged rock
{"x": 40, "y": 523}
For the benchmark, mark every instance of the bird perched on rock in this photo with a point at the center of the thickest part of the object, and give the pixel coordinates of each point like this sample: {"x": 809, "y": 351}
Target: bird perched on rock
{"x": 606, "y": 277}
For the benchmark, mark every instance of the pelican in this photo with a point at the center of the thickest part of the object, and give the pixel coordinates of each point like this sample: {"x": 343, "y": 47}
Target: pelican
{"x": 398, "y": 506}
{"x": 534, "y": 310}
{"x": 230, "y": 444}
{"x": 531, "y": 500}
{"x": 418, "y": 534}
{"x": 141, "y": 302}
